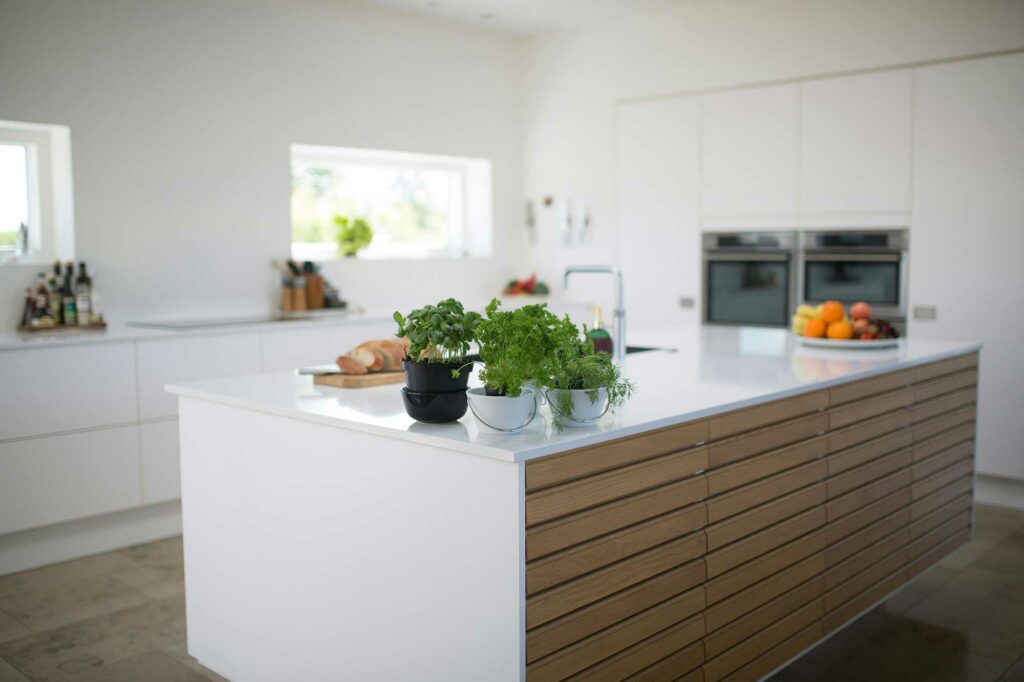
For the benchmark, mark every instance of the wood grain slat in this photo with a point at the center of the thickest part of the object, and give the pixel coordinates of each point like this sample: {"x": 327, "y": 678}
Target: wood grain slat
{"x": 749, "y": 599}
{"x": 719, "y": 667}
{"x": 943, "y": 404}
{"x": 616, "y": 638}
{"x": 843, "y": 526}
{"x": 752, "y": 469}
{"x": 923, "y": 449}
{"x": 861, "y": 497}
{"x": 865, "y": 600}
{"x": 940, "y": 479}
{"x": 548, "y": 605}
{"x": 844, "y": 460}
{"x": 750, "y": 418}
{"x": 682, "y": 662}
{"x": 944, "y": 459}
{"x": 866, "y": 579}
{"x": 850, "y": 545}
{"x": 765, "y": 439}
{"x": 944, "y": 422}
{"x": 723, "y": 506}
{"x": 856, "y": 390}
{"x": 936, "y": 369}
{"x": 861, "y": 410}
{"x": 936, "y": 537}
{"x": 571, "y": 530}
{"x": 866, "y": 558}
{"x": 736, "y": 527}
{"x": 720, "y": 561}
{"x": 593, "y": 491}
{"x": 850, "y": 436}
{"x": 568, "y": 564}
{"x": 560, "y": 633}
{"x": 760, "y": 568}
{"x": 724, "y": 638}
{"x": 765, "y": 663}
{"x": 928, "y": 559}
{"x": 866, "y": 473}
{"x": 930, "y": 522}
{"x": 930, "y": 503}
{"x": 547, "y": 471}
{"x": 642, "y": 655}
{"x": 942, "y": 385}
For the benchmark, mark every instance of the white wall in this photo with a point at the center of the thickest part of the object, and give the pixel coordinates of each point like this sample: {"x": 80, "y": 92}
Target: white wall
{"x": 181, "y": 116}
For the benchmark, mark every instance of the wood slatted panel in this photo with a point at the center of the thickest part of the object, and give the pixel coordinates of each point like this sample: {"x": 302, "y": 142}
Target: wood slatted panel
{"x": 930, "y": 503}
{"x": 943, "y": 404}
{"x": 570, "y": 563}
{"x": 749, "y": 599}
{"x": 619, "y": 637}
{"x": 724, "y": 452}
{"x": 856, "y": 390}
{"x": 944, "y": 422}
{"x": 847, "y": 437}
{"x": 636, "y": 658}
{"x": 851, "y": 523}
{"x": 932, "y": 370}
{"x": 864, "y": 559}
{"x": 726, "y": 478}
{"x": 866, "y": 473}
{"x": 944, "y": 459}
{"x": 741, "y": 499}
{"x": 750, "y": 418}
{"x": 765, "y": 663}
{"x": 933, "y": 520}
{"x": 684, "y": 661}
{"x": 927, "y": 486}
{"x": 947, "y": 384}
{"x": 867, "y": 578}
{"x": 734, "y": 528}
{"x": 845, "y": 460}
{"x": 563, "y": 467}
{"x": 722, "y": 560}
{"x": 861, "y": 497}
{"x": 928, "y": 559}
{"x": 851, "y": 544}
{"x": 760, "y": 568}
{"x": 867, "y": 408}
{"x": 862, "y": 602}
{"x": 951, "y": 528}
{"x": 575, "y": 496}
{"x": 926, "y": 447}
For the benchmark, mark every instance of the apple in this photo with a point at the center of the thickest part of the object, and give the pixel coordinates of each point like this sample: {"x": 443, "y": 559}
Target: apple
{"x": 860, "y": 311}
{"x": 861, "y": 326}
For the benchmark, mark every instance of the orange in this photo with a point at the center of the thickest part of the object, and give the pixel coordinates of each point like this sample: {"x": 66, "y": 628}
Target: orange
{"x": 832, "y": 311}
{"x": 815, "y": 328}
{"x": 840, "y": 330}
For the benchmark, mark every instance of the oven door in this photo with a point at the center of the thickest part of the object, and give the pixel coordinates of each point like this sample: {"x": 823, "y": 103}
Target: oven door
{"x": 748, "y": 288}
{"x": 875, "y": 278}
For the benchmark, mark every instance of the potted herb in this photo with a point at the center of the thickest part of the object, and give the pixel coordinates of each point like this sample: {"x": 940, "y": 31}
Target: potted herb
{"x": 515, "y": 346}
{"x": 436, "y": 369}
{"x": 352, "y": 234}
{"x": 582, "y": 384}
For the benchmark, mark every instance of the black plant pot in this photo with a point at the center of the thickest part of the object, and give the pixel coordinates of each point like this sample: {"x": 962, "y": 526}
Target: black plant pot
{"x": 435, "y": 408}
{"x": 436, "y": 377}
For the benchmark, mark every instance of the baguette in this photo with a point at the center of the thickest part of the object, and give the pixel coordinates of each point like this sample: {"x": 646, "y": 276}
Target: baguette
{"x": 364, "y": 356}
{"x": 349, "y": 366}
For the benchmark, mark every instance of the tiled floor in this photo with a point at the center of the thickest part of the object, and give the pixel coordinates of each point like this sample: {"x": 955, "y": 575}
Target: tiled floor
{"x": 121, "y": 616}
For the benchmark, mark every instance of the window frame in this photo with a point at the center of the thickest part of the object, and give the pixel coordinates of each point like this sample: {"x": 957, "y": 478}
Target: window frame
{"x": 471, "y": 209}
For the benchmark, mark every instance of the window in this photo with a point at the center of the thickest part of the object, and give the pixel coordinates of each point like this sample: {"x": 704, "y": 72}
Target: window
{"x": 36, "y": 215}
{"x": 418, "y": 205}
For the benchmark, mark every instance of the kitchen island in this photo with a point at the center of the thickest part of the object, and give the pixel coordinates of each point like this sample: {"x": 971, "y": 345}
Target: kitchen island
{"x": 751, "y": 498}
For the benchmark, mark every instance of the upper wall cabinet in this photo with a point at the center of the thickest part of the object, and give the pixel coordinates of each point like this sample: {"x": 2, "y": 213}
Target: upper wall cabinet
{"x": 749, "y": 160}
{"x": 855, "y": 138}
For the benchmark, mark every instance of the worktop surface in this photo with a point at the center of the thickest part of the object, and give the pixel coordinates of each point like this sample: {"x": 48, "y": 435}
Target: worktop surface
{"x": 710, "y": 371}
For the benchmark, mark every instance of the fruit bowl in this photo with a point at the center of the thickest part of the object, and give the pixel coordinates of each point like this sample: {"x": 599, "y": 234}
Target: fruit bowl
{"x": 856, "y": 344}
{"x": 829, "y": 326}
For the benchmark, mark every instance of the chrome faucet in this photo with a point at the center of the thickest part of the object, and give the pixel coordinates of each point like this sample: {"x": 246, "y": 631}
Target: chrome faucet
{"x": 619, "y": 314}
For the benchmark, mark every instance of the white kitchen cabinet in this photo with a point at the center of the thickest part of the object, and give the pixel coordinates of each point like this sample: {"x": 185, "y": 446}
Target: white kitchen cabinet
{"x": 749, "y": 158}
{"x": 967, "y": 238}
{"x": 161, "y": 469}
{"x": 54, "y": 389}
{"x": 292, "y": 348}
{"x": 71, "y": 476}
{"x": 657, "y": 153}
{"x": 855, "y": 140}
{"x": 190, "y": 358}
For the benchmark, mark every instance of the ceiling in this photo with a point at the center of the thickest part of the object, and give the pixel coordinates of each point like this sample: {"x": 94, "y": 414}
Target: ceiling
{"x": 524, "y": 17}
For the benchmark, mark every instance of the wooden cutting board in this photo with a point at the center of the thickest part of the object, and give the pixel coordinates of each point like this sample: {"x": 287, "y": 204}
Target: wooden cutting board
{"x": 359, "y": 380}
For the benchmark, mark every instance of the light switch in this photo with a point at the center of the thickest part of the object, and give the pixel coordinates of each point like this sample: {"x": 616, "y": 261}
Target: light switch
{"x": 686, "y": 302}
{"x": 926, "y": 312}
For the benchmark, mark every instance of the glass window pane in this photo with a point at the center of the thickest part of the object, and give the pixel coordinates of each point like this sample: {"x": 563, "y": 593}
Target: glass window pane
{"x": 13, "y": 193}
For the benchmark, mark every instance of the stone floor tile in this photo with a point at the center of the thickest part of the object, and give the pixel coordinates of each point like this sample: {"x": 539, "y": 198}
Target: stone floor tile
{"x": 180, "y": 653}
{"x": 921, "y": 587}
{"x": 11, "y": 628}
{"x": 1015, "y": 673}
{"x": 163, "y": 554}
{"x": 9, "y": 674}
{"x": 155, "y": 583}
{"x": 151, "y": 666}
{"x": 99, "y": 641}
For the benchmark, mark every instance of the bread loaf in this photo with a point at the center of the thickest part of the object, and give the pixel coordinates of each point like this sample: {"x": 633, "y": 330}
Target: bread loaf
{"x": 349, "y": 366}
{"x": 375, "y": 356}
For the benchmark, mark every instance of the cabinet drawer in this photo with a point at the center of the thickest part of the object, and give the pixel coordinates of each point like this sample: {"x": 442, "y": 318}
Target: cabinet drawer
{"x": 927, "y": 486}
{"x": 861, "y": 497}
{"x": 161, "y": 465}
{"x": 866, "y": 579}
{"x": 858, "y": 411}
{"x": 942, "y": 385}
{"x": 575, "y": 496}
{"x": 742, "y": 499}
{"x": 937, "y": 369}
{"x": 863, "y": 560}
{"x": 720, "y": 561}
{"x": 944, "y": 422}
{"x": 865, "y": 452}
{"x": 548, "y": 471}
{"x": 838, "y": 551}
{"x": 560, "y": 633}
{"x": 640, "y": 656}
{"x": 856, "y": 390}
{"x": 724, "y": 452}
{"x": 851, "y": 523}
{"x": 750, "y": 418}
{"x": 71, "y": 476}
{"x": 866, "y": 430}
{"x": 749, "y": 599}
{"x": 192, "y": 358}
{"x": 576, "y": 528}
{"x": 948, "y": 529}
{"x": 748, "y": 470}
{"x": 863, "y": 601}
{"x": 943, "y": 404}
{"x": 760, "y": 568}
{"x": 942, "y": 441}
{"x": 668, "y": 668}
{"x": 866, "y": 473}
{"x": 944, "y": 459}
{"x": 930, "y": 503}
{"x": 928, "y": 559}
{"x": 929, "y": 522}
{"x": 65, "y": 388}
{"x": 742, "y": 525}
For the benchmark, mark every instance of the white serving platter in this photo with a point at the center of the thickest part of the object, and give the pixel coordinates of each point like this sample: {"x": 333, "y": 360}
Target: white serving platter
{"x": 854, "y": 344}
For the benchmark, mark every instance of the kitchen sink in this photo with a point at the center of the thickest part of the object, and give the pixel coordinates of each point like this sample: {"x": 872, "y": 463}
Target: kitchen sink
{"x": 644, "y": 349}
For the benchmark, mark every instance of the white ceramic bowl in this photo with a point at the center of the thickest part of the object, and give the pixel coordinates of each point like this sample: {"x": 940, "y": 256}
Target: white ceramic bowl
{"x": 584, "y": 411}
{"x": 501, "y": 413}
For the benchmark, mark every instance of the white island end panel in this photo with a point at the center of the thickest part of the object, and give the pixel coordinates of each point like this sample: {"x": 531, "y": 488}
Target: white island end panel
{"x": 318, "y": 553}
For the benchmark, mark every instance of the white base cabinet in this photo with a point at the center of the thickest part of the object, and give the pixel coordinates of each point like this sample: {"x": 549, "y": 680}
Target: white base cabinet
{"x": 161, "y": 470}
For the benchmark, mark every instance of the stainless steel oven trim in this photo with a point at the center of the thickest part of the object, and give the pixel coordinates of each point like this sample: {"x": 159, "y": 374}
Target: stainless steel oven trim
{"x": 832, "y": 256}
{"x": 788, "y": 257}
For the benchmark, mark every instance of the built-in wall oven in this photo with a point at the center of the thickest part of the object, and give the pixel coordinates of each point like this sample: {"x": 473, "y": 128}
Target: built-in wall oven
{"x": 853, "y": 266}
{"x": 750, "y": 278}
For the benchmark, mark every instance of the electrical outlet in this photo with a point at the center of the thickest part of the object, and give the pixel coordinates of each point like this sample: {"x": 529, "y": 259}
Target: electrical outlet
{"x": 926, "y": 312}
{"x": 686, "y": 302}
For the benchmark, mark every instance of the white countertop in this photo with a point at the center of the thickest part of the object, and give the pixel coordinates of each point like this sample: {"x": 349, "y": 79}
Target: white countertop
{"x": 715, "y": 370}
